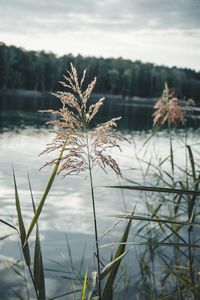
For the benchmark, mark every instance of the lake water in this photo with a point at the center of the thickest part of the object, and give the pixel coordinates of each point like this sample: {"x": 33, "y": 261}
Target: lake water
{"x": 67, "y": 213}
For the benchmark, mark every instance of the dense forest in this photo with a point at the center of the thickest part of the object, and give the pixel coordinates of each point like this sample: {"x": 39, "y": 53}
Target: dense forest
{"x": 31, "y": 70}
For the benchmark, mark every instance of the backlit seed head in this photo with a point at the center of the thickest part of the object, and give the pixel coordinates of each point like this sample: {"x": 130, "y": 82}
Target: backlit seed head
{"x": 85, "y": 147}
{"x": 168, "y": 109}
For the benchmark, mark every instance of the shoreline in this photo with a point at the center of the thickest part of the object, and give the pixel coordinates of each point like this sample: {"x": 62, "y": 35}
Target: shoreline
{"x": 45, "y": 94}
{"x": 23, "y": 93}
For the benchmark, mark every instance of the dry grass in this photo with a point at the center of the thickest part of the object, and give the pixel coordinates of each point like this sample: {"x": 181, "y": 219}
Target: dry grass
{"x": 73, "y": 125}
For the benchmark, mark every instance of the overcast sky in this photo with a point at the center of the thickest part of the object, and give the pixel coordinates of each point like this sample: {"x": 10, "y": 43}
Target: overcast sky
{"x": 158, "y": 31}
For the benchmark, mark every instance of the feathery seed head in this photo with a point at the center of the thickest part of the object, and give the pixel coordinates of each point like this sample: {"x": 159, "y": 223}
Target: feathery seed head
{"x": 84, "y": 148}
{"x": 168, "y": 109}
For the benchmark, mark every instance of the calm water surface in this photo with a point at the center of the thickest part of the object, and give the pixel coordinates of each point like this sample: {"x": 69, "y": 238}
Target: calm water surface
{"x": 67, "y": 212}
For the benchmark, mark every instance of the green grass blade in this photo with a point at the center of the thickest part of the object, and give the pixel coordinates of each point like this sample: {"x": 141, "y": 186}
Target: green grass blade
{"x": 155, "y": 189}
{"x": 191, "y": 157}
{"x": 38, "y": 268}
{"x": 108, "y": 290}
{"x": 72, "y": 265}
{"x": 183, "y": 279}
{"x": 25, "y": 248}
{"x": 65, "y": 294}
{"x": 44, "y": 196}
{"x": 83, "y": 292}
{"x": 159, "y": 244}
{"x": 111, "y": 265}
{"x": 17, "y": 294}
{"x": 4, "y": 237}
{"x": 158, "y": 220}
{"x": 69, "y": 253}
{"x": 9, "y": 225}
{"x": 15, "y": 267}
{"x": 171, "y": 152}
{"x": 38, "y": 262}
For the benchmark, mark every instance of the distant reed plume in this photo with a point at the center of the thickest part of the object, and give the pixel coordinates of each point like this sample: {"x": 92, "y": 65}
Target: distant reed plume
{"x": 168, "y": 109}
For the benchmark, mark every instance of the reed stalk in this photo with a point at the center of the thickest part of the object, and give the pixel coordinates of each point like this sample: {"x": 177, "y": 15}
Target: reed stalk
{"x": 84, "y": 146}
{"x": 94, "y": 216}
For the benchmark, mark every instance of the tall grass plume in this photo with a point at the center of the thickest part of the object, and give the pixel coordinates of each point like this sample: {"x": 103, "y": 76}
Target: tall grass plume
{"x": 84, "y": 147}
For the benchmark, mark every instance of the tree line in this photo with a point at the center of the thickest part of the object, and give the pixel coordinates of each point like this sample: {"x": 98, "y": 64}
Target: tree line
{"x": 41, "y": 71}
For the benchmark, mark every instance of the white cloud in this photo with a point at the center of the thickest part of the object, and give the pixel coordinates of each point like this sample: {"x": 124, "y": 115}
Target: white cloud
{"x": 159, "y": 31}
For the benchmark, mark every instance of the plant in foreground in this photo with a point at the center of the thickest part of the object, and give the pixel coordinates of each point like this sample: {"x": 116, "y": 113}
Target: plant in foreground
{"x": 177, "y": 192}
{"x": 36, "y": 271}
{"x": 170, "y": 110}
{"x": 83, "y": 148}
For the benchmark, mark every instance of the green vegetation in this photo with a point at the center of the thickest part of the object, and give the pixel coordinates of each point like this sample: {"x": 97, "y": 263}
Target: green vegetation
{"x": 165, "y": 234}
{"x": 31, "y": 70}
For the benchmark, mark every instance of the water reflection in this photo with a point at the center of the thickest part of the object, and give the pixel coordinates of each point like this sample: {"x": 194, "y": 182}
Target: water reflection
{"x": 67, "y": 211}
{"x": 21, "y": 112}
{"x": 68, "y": 208}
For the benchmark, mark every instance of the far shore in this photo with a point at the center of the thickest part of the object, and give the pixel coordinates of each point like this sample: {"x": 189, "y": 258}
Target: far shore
{"x": 46, "y": 94}
{"x": 23, "y": 93}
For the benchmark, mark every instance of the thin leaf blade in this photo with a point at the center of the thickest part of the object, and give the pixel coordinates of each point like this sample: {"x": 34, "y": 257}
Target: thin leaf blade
{"x": 108, "y": 290}
{"x": 44, "y": 196}
{"x": 22, "y": 231}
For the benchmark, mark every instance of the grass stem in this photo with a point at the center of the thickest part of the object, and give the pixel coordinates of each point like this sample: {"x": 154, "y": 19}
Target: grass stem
{"x": 94, "y": 216}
